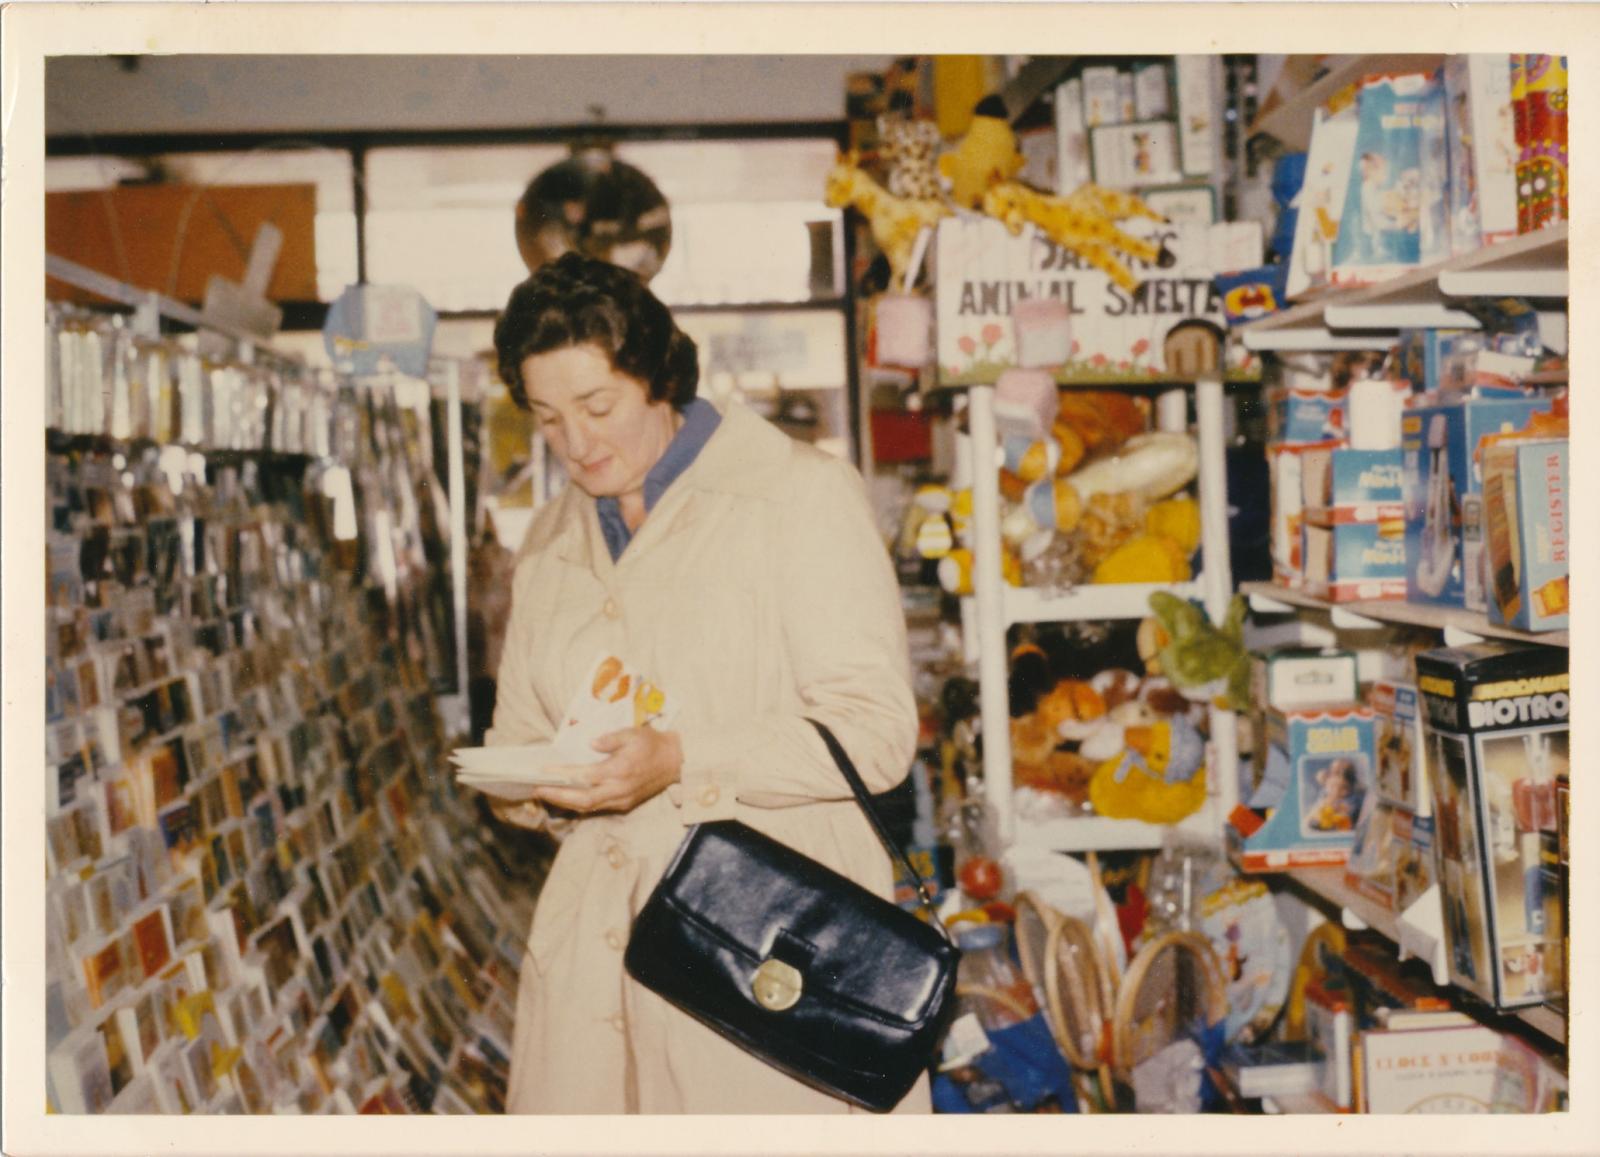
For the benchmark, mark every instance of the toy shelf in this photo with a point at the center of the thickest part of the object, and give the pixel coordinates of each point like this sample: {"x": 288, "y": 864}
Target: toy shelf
{"x": 995, "y": 606}
{"x": 1291, "y": 121}
{"x": 1417, "y": 932}
{"x": 1534, "y": 265}
{"x": 1458, "y": 626}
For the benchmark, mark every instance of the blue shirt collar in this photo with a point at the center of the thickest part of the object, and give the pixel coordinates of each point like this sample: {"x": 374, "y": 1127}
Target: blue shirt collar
{"x": 700, "y": 421}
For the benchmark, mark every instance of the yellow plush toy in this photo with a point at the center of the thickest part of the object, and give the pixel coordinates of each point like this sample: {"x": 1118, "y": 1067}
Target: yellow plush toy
{"x": 1085, "y": 222}
{"x": 1159, "y": 778}
{"x": 895, "y": 221}
{"x": 986, "y": 155}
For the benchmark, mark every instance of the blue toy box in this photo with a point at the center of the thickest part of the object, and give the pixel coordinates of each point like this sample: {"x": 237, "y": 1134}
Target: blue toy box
{"x": 1341, "y": 484}
{"x": 1314, "y": 771}
{"x": 1349, "y": 561}
{"x": 1528, "y": 534}
{"x": 1441, "y": 445}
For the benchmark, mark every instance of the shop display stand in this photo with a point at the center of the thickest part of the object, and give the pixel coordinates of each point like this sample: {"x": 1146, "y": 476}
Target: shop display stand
{"x": 997, "y": 606}
{"x": 1534, "y": 265}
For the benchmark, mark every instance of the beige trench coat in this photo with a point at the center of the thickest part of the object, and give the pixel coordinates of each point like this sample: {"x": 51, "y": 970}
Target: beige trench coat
{"x": 757, "y": 592}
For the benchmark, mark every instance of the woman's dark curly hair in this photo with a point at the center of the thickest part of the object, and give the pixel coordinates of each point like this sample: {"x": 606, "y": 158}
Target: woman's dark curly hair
{"x": 576, "y": 300}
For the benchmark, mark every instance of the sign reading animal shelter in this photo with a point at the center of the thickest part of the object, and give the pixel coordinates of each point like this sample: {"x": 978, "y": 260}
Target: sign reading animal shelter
{"x": 1164, "y": 328}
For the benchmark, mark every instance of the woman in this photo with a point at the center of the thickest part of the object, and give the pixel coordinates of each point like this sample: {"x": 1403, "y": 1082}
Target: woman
{"x": 744, "y": 575}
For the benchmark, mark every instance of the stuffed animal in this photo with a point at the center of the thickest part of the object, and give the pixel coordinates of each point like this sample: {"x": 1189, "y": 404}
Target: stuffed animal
{"x": 910, "y": 149}
{"x": 1205, "y": 662}
{"x": 896, "y": 221}
{"x": 1085, "y": 222}
{"x": 986, "y": 155}
{"x": 1159, "y": 778}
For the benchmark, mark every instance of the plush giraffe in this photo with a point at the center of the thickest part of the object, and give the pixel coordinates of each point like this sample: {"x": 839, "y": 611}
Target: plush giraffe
{"x": 895, "y": 221}
{"x": 1084, "y": 221}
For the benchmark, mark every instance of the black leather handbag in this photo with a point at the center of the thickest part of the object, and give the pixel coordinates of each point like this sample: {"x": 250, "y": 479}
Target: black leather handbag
{"x": 797, "y": 964}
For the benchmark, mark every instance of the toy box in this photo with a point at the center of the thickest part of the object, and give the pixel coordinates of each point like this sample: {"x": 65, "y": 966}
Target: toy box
{"x": 1321, "y": 203}
{"x": 1419, "y": 354}
{"x": 1397, "y": 712}
{"x": 1352, "y": 561}
{"x": 1391, "y": 862}
{"x": 1295, "y": 676}
{"x": 1496, "y": 743}
{"x": 1526, "y": 524}
{"x": 1394, "y": 206}
{"x": 1129, "y": 156}
{"x": 1340, "y": 485}
{"x": 1314, "y": 772}
{"x": 1305, "y": 416}
{"x": 1442, "y": 466}
{"x": 1483, "y": 149}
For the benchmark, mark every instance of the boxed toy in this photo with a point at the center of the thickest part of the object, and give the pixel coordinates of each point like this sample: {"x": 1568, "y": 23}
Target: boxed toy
{"x": 1394, "y": 206}
{"x": 1440, "y": 444}
{"x": 1340, "y": 484}
{"x": 1420, "y": 355}
{"x": 1525, "y": 513}
{"x": 1398, "y": 715}
{"x": 1391, "y": 862}
{"x": 1321, "y": 203}
{"x": 1285, "y": 502}
{"x": 1351, "y": 561}
{"x": 1483, "y": 149}
{"x": 1295, "y": 676}
{"x": 1314, "y": 772}
{"x": 1305, "y": 416}
{"x": 1496, "y": 744}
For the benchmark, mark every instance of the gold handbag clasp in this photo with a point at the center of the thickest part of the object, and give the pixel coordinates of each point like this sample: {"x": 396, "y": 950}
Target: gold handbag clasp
{"x": 776, "y": 985}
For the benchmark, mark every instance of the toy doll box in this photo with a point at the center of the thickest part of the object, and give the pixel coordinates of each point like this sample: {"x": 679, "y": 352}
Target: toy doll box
{"x": 1397, "y": 712}
{"x": 1314, "y": 774}
{"x": 1496, "y": 743}
{"x": 1442, "y": 464}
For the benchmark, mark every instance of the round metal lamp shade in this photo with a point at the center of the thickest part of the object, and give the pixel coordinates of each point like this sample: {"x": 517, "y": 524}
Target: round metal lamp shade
{"x": 599, "y": 206}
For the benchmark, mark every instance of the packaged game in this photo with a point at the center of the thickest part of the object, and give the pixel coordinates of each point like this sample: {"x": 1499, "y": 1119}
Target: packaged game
{"x": 1351, "y": 561}
{"x": 1341, "y": 484}
{"x": 1483, "y": 149}
{"x": 1497, "y": 743}
{"x": 1322, "y": 203}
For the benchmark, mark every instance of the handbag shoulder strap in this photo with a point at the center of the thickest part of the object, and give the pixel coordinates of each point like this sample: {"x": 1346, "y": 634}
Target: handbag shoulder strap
{"x": 864, "y": 798}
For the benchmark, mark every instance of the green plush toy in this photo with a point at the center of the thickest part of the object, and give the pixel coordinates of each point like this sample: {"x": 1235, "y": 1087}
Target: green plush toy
{"x": 1203, "y": 661}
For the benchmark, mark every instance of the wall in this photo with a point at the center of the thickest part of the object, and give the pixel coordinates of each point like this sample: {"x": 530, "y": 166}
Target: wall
{"x": 186, "y": 94}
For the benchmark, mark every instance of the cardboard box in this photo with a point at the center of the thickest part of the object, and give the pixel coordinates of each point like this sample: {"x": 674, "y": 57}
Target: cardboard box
{"x": 1420, "y": 355}
{"x": 1392, "y": 861}
{"x": 1322, "y": 201}
{"x": 1286, "y": 503}
{"x": 1297, "y": 676}
{"x": 1102, "y": 98}
{"x": 1441, "y": 446}
{"x": 1314, "y": 773}
{"x": 1526, "y": 517}
{"x": 1395, "y": 215}
{"x": 1482, "y": 140}
{"x": 1401, "y": 780}
{"x": 1306, "y": 417}
{"x": 1341, "y": 485}
{"x": 1354, "y": 561}
{"x": 1133, "y": 156}
{"x": 1497, "y": 741}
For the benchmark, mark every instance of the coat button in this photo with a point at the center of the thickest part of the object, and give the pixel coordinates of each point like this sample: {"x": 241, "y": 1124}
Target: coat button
{"x": 614, "y": 856}
{"x": 612, "y": 610}
{"x": 618, "y": 1023}
{"x": 710, "y": 796}
{"x": 615, "y": 941}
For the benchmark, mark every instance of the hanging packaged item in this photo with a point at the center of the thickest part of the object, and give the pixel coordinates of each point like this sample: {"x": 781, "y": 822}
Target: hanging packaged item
{"x": 1497, "y": 746}
{"x": 1394, "y": 216}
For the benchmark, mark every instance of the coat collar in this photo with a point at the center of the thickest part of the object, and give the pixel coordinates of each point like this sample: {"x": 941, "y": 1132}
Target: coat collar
{"x": 747, "y": 455}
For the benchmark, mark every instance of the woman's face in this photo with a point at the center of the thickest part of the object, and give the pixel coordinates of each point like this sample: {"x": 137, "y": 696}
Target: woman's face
{"x": 599, "y": 421}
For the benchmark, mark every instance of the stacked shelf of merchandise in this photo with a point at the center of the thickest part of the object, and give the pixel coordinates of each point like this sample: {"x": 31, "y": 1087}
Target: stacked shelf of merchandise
{"x": 1533, "y": 266}
{"x": 995, "y": 607}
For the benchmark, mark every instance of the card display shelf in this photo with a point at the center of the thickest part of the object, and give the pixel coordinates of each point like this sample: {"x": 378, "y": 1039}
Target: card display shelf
{"x": 1533, "y": 265}
{"x": 1458, "y": 626}
{"x": 1291, "y": 121}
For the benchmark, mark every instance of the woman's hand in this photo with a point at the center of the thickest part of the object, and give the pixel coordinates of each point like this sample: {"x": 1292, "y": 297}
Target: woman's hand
{"x": 642, "y": 763}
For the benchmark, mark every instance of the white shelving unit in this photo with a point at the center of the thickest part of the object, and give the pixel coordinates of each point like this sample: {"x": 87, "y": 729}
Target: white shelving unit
{"x": 1457, "y": 626}
{"x": 995, "y": 606}
{"x": 1534, "y": 265}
